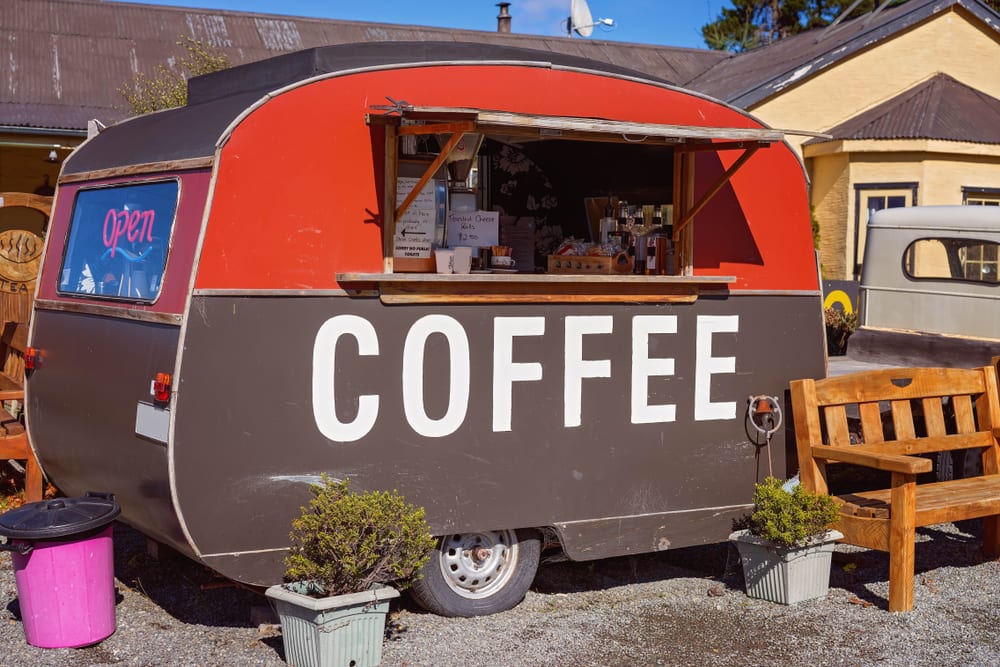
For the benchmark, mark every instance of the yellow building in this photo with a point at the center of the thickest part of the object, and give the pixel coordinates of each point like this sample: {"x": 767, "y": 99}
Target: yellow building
{"x": 909, "y": 97}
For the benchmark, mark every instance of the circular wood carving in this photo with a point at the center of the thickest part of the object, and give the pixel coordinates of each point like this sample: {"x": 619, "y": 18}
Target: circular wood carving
{"x": 20, "y": 255}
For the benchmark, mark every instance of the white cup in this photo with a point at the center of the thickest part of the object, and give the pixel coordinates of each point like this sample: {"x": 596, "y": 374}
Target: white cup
{"x": 463, "y": 259}
{"x": 445, "y": 260}
{"x": 502, "y": 261}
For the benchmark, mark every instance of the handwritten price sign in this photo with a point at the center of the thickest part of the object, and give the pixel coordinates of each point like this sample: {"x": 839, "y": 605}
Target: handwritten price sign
{"x": 473, "y": 228}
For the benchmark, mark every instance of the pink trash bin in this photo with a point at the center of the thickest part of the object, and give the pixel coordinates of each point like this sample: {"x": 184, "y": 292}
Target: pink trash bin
{"x": 64, "y": 568}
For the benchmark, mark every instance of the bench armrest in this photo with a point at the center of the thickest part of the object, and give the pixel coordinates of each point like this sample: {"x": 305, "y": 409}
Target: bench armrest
{"x": 911, "y": 465}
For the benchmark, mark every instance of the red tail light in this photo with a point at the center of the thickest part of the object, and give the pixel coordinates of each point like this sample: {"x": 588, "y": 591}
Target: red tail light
{"x": 30, "y": 358}
{"x": 161, "y": 387}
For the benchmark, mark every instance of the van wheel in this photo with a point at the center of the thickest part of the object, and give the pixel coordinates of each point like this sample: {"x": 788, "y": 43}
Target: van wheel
{"x": 475, "y": 574}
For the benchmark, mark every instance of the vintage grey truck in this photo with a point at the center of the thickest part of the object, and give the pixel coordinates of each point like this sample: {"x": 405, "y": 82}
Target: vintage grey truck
{"x": 929, "y": 293}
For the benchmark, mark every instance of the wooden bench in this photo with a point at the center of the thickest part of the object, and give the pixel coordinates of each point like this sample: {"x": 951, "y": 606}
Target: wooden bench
{"x": 13, "y": 439}
{"x": 902, "y": 413}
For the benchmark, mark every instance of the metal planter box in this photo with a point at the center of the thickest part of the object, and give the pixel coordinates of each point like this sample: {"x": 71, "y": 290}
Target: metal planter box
{"x": 337, "y": 630}
{"x": 785, "y": 575}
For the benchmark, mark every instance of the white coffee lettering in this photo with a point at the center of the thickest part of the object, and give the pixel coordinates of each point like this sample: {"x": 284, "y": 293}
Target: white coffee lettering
{"x": 413, "y": 376}
{"x": 645, "y": 367}
{"x": 577, "y": 367}
{"x": 325, "y": 370}
{"x": 505, "y": 371}
{"x": 706, "y": 366}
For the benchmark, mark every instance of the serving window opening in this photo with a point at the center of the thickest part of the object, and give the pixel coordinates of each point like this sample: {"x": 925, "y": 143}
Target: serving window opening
{"x": 118, "y": 241}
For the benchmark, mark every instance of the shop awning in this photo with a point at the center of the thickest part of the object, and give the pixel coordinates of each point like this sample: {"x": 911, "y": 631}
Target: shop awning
{"x": 440, "y": 120}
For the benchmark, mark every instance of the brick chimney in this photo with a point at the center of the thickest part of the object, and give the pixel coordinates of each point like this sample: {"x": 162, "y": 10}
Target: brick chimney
{"x": 503, "y": 19}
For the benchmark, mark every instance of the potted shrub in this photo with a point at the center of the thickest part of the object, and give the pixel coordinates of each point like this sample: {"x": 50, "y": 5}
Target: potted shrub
{"x": 346, "y": 550}
{"x": 786, "y": 546}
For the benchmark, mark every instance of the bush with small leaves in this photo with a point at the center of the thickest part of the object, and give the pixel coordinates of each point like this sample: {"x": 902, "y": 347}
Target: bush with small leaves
{"x": 345, "y": 542}
{"x": 789, "y": 518}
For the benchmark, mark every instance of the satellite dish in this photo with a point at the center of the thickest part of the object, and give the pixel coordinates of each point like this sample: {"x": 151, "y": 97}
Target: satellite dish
{"x": 580, "y": 19}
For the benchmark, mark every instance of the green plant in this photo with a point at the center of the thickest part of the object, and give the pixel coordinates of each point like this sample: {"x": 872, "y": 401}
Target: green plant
{"x": 345, "y": 542}
{"x": 167, "y": 88}
{"x": 789, "y": 518}
{"x": 839, "y": 327}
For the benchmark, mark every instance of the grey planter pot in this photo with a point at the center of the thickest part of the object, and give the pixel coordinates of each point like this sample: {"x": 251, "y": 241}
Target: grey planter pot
{"x": 332, "y": 631}
{"x": 785, "y": 575}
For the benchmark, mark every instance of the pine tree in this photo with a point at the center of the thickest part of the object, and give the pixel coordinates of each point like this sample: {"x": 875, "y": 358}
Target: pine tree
{"x": 749, "y": 24}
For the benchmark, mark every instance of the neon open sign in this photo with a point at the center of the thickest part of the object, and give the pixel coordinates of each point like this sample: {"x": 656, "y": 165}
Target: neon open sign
{"x": 134, "y": 225}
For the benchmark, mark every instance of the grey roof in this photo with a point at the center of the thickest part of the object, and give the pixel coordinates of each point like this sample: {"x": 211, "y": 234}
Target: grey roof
{"x": 216, "y": 99}
{"x": 747, "y": 79}
{"x": 64, "y": 59}
{"x": 939, "y": 108}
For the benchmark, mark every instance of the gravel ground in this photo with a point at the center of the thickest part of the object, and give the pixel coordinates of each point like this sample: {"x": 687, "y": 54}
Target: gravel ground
{"x": 684, "y": 607}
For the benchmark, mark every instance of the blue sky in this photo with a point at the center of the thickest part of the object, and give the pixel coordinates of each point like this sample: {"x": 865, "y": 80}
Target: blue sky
{"x": 666, "y": 22}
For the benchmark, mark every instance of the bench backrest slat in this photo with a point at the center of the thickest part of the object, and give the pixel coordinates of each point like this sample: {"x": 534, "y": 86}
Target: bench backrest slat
{"x": 871, "y": 422}
{"x": 902, "y": 420}
{"x": 933, "y": 410}
{"x": 964, "y": 419}
{"x": 836, "y": 425}
{"x": 931, "y": 444}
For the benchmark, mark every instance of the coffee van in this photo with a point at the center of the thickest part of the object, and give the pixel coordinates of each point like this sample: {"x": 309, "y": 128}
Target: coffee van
{"x": 227, "y": 309}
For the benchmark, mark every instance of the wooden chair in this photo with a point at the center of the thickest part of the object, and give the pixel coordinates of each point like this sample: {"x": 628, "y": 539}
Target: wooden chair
{"x": 13, "y": 439}
{"x": 926, "y": 410}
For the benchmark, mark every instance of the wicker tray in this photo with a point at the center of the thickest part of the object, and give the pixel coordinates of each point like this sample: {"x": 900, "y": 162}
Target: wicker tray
{"x": 620, "y": 263}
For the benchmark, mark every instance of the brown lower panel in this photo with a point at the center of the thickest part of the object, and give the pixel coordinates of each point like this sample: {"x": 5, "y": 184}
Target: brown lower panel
{"x": 621, "y": 536}
{"x": 247, "y": 443}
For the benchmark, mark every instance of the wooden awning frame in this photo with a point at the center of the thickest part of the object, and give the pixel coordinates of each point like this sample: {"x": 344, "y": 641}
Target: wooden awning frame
{"x": 458, "y": 121}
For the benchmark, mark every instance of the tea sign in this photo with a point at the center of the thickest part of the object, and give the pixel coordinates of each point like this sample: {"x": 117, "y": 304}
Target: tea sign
{"x": 473, "y": 228}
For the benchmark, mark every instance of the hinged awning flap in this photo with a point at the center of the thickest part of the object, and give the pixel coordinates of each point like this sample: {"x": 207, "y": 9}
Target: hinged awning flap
{"x": 540, "y": 126}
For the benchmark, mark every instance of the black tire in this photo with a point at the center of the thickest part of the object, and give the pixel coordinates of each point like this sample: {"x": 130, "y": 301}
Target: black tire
{"x": 459, "y": 582}
{"x": 958, "y": 464}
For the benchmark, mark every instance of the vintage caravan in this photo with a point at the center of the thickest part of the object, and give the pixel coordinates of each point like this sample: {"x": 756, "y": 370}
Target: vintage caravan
{"x": 232, "y": 303}
{"x": 929, "y": 292}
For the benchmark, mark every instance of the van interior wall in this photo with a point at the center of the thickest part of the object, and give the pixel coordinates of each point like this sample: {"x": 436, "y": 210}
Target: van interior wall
{"x": 723, "y": 226}
{"x": 551, "y": 179}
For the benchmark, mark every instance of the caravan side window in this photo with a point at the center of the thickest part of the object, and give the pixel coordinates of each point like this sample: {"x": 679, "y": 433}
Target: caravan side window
{"x": 953, "y": 259}
{"x": 118, "y": 240}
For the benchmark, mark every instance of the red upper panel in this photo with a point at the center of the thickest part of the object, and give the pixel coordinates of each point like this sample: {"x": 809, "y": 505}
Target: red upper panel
{"x": 299, "y": 180}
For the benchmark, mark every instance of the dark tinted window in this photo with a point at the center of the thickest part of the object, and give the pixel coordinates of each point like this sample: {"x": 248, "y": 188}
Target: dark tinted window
{"x": 118, "y": 239}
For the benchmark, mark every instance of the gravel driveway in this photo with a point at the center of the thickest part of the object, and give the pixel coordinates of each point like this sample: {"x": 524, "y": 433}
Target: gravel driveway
{"x": 684, "y": 607}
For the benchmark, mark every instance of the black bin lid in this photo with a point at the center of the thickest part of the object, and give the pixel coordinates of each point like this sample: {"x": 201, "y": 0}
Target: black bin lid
{"x": 59, "y": 517}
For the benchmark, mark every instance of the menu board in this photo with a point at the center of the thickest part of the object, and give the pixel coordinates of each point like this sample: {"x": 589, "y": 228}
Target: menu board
{"x": 473, "y": 228}
{"x": 415, "y": 230}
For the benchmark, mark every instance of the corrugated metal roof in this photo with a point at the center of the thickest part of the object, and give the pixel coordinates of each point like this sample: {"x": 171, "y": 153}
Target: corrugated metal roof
{"x": 940, "y": 108}
{"x": 65, "y": 59}
{"x": 216, "y": 99}
{"x": 749, "y": 78}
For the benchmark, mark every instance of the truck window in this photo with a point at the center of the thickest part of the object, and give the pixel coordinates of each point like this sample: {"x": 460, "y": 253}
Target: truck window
{"x": 118, "y": 240}
{"x": 952, "y": 259}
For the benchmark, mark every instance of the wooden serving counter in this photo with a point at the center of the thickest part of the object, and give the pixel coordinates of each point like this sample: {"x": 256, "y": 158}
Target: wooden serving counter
{"x": 532, "y": 287}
